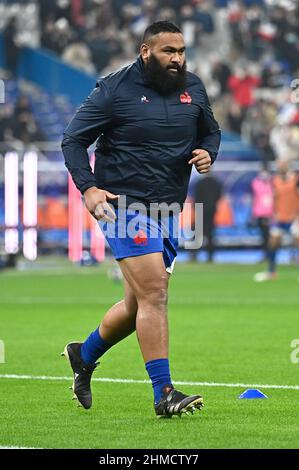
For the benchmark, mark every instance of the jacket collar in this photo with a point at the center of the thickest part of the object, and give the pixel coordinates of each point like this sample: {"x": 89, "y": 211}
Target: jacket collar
{"x": 140, "y": 64}
{"x": 140, "y": 67}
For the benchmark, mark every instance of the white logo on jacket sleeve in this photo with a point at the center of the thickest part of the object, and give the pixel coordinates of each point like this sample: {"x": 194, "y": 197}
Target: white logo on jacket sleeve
{"x": 144, "y": 99}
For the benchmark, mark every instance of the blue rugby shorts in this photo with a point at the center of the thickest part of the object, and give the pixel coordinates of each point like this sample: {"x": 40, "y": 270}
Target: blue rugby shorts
{"x": 135, "y": 234}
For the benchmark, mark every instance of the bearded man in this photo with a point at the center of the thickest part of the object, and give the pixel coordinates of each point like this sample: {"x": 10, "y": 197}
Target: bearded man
{"x": 152, "y": 121}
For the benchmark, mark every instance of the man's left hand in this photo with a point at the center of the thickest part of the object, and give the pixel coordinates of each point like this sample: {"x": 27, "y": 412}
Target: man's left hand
{"x": 201, "y": 160}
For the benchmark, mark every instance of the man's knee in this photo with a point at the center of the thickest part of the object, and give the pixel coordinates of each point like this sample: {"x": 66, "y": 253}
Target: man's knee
{"x": 147, "y": 278}
{"x": 153, "y": 291}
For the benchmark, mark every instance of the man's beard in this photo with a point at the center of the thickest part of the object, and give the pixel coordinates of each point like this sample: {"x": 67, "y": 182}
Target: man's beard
{"x": 162, "y": 80}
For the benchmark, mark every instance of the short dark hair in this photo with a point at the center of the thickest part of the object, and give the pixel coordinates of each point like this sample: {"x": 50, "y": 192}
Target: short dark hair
{"x": 160, "y": 27}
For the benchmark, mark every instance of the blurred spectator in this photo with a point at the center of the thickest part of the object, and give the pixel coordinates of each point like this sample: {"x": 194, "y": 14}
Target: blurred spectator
{"x": 6, "y": 122}
{"x": 190, "y": 29}
{"x": 263, "y": 204}
{"x": 235, "y": 117}
{"x": 273, "y": 75}
{"x": 204, "y": 16}
{"x": 257, "y": 125}
{"x": 79, "y": 55}
{"x": 11, "y": 47}
{"x": 235, "y": 18}
{"x": 285, "y": 220}
{"x": 18, "y": 125}
{"x": 285, "y": 141}
{"x": 26, "y": 129}
{"x": 221, "y": 72}
{"x": 208, "y": 191}
{"x": 103, "y": 47}
{"x": 242, "y": 84}
{"x": 22, "y": 105}
{"x": 49, "y": 9}
{"x": 57, "y": 35}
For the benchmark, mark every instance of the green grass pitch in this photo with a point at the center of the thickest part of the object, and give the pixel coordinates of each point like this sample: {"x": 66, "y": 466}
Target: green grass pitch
{"x": 224, "y": 329}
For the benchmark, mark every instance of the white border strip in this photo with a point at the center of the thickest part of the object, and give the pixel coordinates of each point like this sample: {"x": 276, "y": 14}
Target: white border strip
{"x": 132, "y": 381}
{"x": 13, "y": 447}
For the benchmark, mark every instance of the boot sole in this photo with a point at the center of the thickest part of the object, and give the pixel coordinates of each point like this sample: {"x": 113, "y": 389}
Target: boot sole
{"x": 196, "y": 404}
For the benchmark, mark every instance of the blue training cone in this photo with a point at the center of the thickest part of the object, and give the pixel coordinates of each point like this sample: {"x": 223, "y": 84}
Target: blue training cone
{"x": 253, "y": 393}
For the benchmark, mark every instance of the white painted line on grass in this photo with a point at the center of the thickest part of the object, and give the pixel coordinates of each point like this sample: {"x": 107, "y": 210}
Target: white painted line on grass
{"x": 133, "y": 381}
{"x": 13, "y": 447}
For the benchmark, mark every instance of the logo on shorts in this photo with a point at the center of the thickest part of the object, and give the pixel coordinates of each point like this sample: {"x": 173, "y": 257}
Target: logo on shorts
{"x": 140, "y": 238}
{"x": 144, "y": 99}
{"x": 186, "y": 98}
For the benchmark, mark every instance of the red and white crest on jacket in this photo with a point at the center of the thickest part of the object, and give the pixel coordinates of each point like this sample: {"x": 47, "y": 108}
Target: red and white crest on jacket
{"x": 185, "y": 98}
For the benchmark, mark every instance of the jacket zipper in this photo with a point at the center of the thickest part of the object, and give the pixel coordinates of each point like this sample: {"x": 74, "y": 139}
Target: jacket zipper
{"x": 166, "y": 110}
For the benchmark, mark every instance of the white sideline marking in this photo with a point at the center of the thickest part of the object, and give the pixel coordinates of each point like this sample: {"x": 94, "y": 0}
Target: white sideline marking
{"x": 133, "y": 381}
{"x": 15, "y": 447}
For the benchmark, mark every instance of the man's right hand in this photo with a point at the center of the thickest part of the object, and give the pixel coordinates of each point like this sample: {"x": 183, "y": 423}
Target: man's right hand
{"x": 96, "y": 201}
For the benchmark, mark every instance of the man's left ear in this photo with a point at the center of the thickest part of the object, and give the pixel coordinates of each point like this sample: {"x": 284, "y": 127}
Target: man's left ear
{"x": 144, "y": 51}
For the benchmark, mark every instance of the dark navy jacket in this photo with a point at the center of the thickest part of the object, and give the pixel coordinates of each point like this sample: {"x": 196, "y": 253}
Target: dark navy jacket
{"x": 144, "y": 139}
